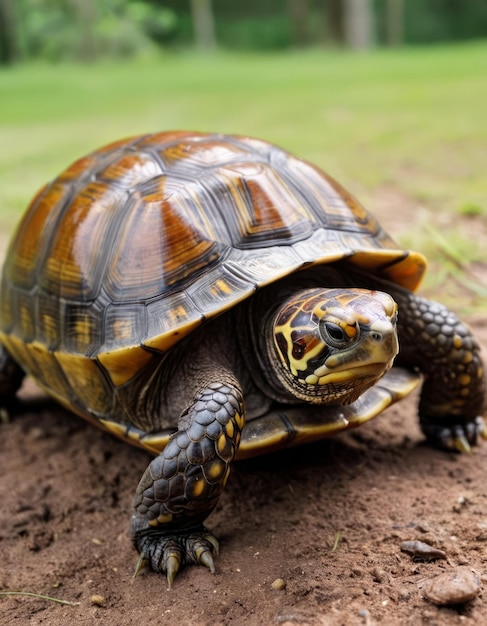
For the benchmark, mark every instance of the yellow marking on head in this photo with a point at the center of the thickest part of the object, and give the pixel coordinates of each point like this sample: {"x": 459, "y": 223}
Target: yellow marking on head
{"x": 313, "y": 348}
{"x": 165, "y": 519}
{"x": 153, "y": 522}
{"x": 465, "y": 392}
{"x": 480, "y": 372}
{"x": 311, "y": 379}
{"x": 459, "y": 402}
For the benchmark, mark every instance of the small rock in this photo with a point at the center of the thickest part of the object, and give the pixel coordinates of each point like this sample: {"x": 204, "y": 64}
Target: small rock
{"x": 455, "y": 587}
{"x": 423, "y": 527}
{"x": 97, "y": 600}
{"x": 404, "y": 594}
{"x": 378, "y": 575}
{"x": 423, "y": 551}
{"x": 356, "y": 572}
{"x": 279, "y": 584}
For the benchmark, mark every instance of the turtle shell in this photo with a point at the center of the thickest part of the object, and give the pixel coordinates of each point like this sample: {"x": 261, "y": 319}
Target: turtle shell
{"x": 136, "y": 244}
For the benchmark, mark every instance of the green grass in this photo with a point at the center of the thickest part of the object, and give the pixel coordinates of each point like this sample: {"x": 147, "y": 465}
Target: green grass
{"x": 410, "y": 123}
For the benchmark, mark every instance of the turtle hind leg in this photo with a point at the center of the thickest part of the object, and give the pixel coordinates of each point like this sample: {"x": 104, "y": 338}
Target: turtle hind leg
{"x": 11, "y": 376}
{"x": 433, "y": 340}
{"x": 182, "y": 485}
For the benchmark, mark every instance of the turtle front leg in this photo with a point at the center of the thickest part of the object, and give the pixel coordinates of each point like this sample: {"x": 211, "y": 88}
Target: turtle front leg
{"x": 182, "y": 485}
{"x": 433, "y": 340}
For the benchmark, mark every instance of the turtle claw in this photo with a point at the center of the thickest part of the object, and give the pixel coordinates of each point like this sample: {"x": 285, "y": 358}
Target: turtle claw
{"x": 461, "y": 444}
{"x": 140, "y": 565}
{"x": 166, "y": 553}
{"x": 205, "y": 558}
{"x": 173, "y": 561}
{"x": 458, "y": 437}
{"x": 171, "y": 566}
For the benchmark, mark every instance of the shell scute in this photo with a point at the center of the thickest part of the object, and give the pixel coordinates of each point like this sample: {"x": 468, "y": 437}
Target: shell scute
{"x": 129, "y": 170}
{"x": 192, "y": 154}
{"x": 124, "y": 325}
{"x": 28, "y": 247}
{"x": 82, "y": 327}
{"x": 267, "y": 208}
{"x": 72, "y": 269}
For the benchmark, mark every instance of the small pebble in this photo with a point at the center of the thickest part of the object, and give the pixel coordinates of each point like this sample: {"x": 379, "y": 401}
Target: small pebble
{"x": 421, "y": 550}
{"x": 279, "y": 584}
{"x": 455, "y": 587}
{"x": 378, "y": 575}
{"x": 97, "y": 600}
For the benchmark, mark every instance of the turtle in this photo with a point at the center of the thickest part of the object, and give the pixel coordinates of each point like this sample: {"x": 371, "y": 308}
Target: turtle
{"x": 211, "y": 297}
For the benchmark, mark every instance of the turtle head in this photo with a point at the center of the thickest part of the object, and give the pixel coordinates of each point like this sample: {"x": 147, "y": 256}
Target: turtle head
{"x": 331, "y": 345}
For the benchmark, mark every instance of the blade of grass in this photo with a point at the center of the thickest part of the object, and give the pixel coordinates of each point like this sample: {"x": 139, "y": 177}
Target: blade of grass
{"x": 38, "y": 595}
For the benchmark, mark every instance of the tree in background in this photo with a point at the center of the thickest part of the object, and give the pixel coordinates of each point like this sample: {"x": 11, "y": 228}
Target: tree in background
{"x": 358, "y": 23}
{"x": 299, "y": 16}
{"x": 63, "y": 30}
{"x": 203, "y": 24}
{"x": 86, "y": 16}
{"x": 9, "y": 37}
{"x": 60, "y": 30}
{"x": 394, "y": 18}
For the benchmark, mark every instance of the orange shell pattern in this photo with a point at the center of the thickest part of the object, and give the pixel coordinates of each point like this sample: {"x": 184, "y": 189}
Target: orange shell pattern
{"x": 134, "y": 245}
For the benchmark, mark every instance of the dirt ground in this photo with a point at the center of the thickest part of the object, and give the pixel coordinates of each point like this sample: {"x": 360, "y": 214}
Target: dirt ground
{"x": 328, "y": 519}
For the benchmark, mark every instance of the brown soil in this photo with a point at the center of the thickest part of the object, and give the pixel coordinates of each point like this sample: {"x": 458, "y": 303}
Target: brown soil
{"x": 327, "y": 518}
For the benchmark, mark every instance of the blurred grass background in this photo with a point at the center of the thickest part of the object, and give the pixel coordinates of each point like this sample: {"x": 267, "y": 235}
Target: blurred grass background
{"x": 404, "y": 129}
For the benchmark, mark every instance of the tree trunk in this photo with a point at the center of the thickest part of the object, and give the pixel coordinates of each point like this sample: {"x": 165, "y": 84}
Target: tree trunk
{"x": 358, "y": 24}
{"x": 9, "y": 44}
{"x": 334, "y": 22}
{"x": 394, "y": 22}
{"x": 298, "y": 11}
{"x": 203, "y": 24}
{"x": 85, "y": 11}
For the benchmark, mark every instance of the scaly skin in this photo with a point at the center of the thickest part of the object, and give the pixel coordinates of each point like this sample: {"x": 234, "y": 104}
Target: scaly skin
{"x": 181, "y": 486}
{"x": 434, "y": 340}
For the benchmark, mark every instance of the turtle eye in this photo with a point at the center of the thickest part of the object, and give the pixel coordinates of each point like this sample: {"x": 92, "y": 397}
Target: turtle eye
{"x": 334, "y": 335}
